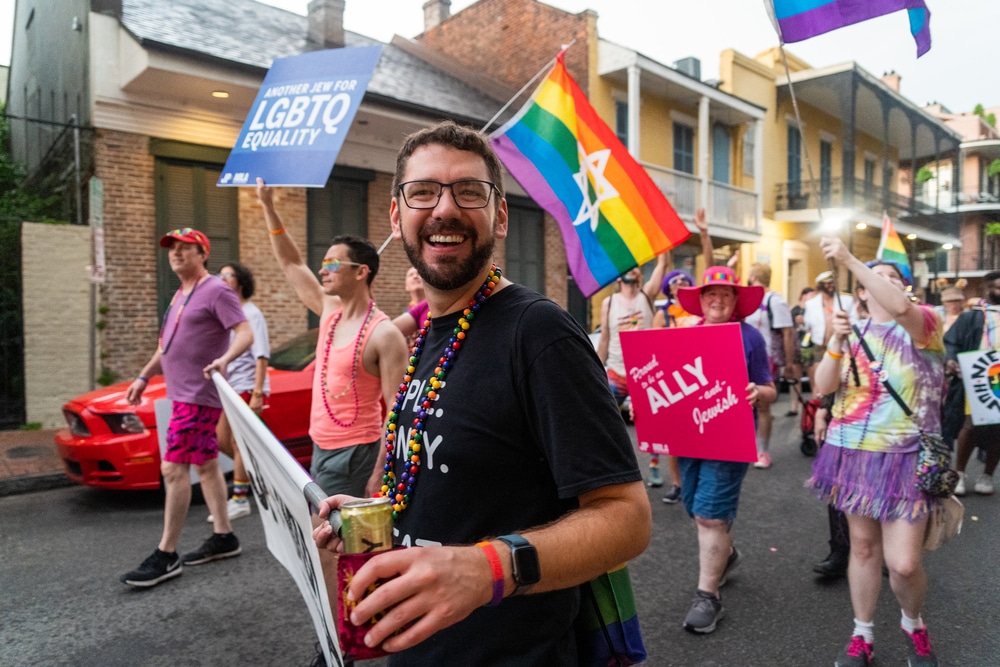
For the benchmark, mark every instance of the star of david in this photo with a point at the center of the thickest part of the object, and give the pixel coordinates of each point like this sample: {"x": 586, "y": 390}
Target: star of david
{"x": 593, "y": 166}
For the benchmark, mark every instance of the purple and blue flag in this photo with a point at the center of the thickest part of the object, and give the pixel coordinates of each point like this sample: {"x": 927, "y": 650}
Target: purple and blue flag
{"x": 798, "y": 20}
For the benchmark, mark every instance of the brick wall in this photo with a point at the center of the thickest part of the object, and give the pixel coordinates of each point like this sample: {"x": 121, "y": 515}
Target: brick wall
{"x": 57, "y": 320}
{"x": 122, "y": 161}
{"x": 512, "y": 39}
{"x": 286, "y": 316}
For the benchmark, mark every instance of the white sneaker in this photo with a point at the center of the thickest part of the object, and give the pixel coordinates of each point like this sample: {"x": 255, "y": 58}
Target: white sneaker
{"x": 960, "y": 487}
{"x": 984, "y": 485}
{"x": 236, "y": 509}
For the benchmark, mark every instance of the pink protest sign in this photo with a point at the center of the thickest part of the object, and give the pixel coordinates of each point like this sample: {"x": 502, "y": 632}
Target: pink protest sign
{"x": 688, "y": 390}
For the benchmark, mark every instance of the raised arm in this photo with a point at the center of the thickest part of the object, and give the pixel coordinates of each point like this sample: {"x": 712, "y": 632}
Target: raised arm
{"x": 302, "y": 279}
{"x": 701, "y": 222}
{"x": 652, "y": 286}
{"x": 605, "y": 338}
{"x": 887, "y": 295}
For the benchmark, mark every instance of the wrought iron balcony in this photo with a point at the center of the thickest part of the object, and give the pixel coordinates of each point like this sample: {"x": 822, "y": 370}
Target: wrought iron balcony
{"x": 864, "y": 196}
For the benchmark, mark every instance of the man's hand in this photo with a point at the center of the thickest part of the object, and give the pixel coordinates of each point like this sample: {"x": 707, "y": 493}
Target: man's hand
{"x": 323, "y": 535}
{"x": 265, "y": 195}
{"x": 217, "y": 365}
{"x": 423, "y": 590}
{"x": 952, "y": 367}
{"x": 700, "y": 221}
{"x": 134, "y": 393}
{"x": 753, "y": 393}
{"x": 256, "y": 403}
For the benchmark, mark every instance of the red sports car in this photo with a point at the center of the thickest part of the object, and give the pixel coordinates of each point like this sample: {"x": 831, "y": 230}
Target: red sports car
{"x": 114, "y": 445}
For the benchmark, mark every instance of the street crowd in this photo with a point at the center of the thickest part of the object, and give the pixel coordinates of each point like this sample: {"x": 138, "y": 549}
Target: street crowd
{"x": 482, "y": 462}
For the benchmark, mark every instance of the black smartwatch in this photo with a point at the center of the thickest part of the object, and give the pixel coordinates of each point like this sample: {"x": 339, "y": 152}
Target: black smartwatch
{"x": 524, "y": 561}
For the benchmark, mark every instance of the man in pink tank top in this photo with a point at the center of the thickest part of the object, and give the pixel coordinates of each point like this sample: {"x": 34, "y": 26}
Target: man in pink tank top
{"x": 360, "y": 356}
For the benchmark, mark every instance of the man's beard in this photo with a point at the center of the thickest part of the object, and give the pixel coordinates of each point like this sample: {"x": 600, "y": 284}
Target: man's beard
{"x": 829, "y": 289}
{"x": 457, "y": 273}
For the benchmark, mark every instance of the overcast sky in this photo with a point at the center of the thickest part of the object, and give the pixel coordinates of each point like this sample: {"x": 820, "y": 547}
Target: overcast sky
{"x": 959, "y": 71}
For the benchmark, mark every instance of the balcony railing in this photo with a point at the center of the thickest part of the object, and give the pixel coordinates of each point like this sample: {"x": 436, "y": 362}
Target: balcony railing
{"x": 861, "y": 195}
{"x": 728, "y": 207}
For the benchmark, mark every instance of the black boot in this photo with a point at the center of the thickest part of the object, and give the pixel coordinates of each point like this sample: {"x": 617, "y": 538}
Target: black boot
{"x": 835, "y": 565}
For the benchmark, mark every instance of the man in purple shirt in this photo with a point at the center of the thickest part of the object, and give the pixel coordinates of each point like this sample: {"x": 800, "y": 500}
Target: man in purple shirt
{"x": 194, "y": 341}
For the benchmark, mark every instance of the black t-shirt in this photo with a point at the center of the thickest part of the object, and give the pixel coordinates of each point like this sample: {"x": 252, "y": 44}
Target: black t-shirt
{"x": 524, "y": 424}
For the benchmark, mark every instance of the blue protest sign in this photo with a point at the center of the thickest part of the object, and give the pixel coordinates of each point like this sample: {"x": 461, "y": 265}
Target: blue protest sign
{"x": 300, "y": 118}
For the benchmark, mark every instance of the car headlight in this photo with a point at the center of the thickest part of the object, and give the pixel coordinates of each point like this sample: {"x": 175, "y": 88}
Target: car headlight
{"x": 124, "y": 423}
{"x": 76, "y": 425}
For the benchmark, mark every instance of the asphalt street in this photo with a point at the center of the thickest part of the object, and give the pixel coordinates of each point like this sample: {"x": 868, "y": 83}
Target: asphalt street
{"x": 62, "y": 551}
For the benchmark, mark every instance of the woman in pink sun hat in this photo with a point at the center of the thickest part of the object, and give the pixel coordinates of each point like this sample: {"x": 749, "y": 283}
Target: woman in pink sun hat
{"x": 710, "y": 489}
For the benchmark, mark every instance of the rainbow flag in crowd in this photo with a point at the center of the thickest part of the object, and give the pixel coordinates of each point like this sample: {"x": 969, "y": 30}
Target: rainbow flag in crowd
{"x": 611, "y": 214}
{"x": 798, "y": 20}
{"x": 891, "y": 249}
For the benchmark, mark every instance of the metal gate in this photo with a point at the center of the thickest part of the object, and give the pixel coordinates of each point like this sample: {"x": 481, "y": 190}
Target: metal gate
{"x": 12, "y": 413}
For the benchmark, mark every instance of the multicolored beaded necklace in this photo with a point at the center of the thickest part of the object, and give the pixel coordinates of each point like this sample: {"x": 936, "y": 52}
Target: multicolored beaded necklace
{"x": 354, "y": 367}
{"x": 400, "y": 491}
{"x": 876, "y": 384}
{"x": 177, "y": 318}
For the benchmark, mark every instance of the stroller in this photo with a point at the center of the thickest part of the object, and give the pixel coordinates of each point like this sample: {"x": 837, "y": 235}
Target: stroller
{"x": 808, "y": 445}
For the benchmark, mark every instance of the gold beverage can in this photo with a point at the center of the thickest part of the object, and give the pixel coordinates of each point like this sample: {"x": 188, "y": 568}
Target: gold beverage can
{"x": 367, "y": 525}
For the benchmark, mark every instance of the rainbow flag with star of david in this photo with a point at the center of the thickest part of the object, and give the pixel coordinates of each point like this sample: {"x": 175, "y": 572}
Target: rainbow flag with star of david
{"x": 798, "y": 20}
{"x": 611, "y": 214}
{"x": 891, "y": 248}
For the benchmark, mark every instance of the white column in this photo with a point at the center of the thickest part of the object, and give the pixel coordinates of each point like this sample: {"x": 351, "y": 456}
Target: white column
{"x": 633, "y": 111}
{"x": 758, "y": 168}
{"x": 703, "y": 152}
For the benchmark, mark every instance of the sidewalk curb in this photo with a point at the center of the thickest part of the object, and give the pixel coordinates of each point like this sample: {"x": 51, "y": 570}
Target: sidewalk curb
{"x": 30, "y": 484}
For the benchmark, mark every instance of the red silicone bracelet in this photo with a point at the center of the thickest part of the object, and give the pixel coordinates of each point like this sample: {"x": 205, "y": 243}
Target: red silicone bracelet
{"x": 494, "y": 558}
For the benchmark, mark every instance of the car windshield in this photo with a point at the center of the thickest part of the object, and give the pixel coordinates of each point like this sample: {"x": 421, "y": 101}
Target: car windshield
{"x": 295, "y": 354}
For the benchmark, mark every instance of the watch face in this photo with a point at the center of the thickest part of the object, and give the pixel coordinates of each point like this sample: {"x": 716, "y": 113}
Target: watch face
{"x": 526, "y": 570}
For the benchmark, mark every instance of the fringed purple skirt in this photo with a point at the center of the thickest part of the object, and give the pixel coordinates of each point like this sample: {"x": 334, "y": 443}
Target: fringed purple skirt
{"x": 878, "y": 485}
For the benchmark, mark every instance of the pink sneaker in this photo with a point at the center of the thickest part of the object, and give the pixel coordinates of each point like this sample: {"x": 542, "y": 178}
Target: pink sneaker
{"x": 763, "y": 461}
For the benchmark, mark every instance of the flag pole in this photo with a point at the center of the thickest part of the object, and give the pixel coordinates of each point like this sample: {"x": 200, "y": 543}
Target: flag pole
{"x": 814, "y": 188}
{"x": 518, "y": 94}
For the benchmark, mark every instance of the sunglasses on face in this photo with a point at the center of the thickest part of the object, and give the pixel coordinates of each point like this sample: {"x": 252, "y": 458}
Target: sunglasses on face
{"x": 678, "y": 280}
{"x": 333, "y": 265}
{"x": 226, "y": 274}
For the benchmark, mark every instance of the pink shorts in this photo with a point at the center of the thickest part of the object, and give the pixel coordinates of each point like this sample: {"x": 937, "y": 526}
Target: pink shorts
{"x": 191, "y": 435}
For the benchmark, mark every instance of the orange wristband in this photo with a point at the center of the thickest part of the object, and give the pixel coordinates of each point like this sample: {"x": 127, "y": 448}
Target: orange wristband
{"x": 836, "y": 356}
{"x": 494, "y": 558}
{"x": 276, "y": 232}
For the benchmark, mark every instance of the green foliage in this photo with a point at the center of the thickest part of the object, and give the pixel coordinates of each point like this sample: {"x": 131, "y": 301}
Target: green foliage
{"x": 32, "y": 426}
{"x": 992, "y": 229}
{"x": 107, "y": 377}
{"x": 924, "y": 174}
{"x": 989, "y": 118}
{"x": 994, "y": 168}
{"x": 103, "y": 309}
{"x": 17, "y": 203}
{"x": 100, "y": 325}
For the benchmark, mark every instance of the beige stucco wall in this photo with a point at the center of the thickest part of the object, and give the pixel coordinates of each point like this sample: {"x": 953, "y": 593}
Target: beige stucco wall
{"x": 56, "y": 303}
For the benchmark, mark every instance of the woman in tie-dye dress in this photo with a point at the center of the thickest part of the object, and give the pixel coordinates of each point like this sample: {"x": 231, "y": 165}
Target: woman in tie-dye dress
{"x": 868, "y": 468}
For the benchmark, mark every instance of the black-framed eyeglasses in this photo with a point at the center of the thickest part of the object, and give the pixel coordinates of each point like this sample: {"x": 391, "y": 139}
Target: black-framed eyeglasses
{"x": 427, "y": 194}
